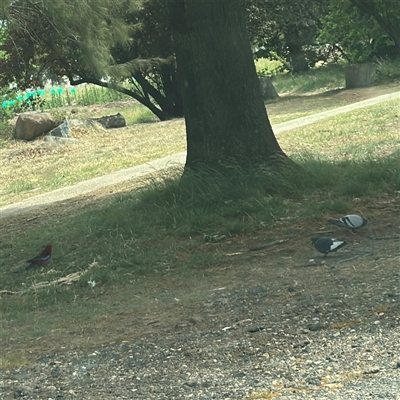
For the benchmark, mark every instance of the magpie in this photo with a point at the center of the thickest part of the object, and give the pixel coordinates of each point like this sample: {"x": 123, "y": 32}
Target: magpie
{"x": 327, "y": 245}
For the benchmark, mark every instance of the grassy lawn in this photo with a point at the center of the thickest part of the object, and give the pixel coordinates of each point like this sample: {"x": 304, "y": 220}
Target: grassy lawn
{"x": 158, "y": 246}
{"x": 28, "y": 169}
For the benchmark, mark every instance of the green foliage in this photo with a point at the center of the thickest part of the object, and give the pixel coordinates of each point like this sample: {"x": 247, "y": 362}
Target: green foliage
{"x": 286, "y": 28}
{"x": 126, "y": 41}
{"x": 388, "y": 69}
{"x": 357, "y": 33}
{"x": 6, "y": 130}
{"x": 315, "y": 80}
{"x": 267, "y": 67}
{"x": 85, "y": 96}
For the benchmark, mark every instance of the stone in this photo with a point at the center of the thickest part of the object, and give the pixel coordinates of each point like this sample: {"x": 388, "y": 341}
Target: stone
{"x": 30, "y": 125}
{"x": 61, "y": 130}
{"x": 111, "y": 121}
{"x": 267, "y": 89}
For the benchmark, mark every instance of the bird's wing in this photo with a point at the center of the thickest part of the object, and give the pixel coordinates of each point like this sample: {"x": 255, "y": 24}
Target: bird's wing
{"x": 336, "y": 244}
{"x": 337, "y": 222}
{"x": 40, "y": 258}
{"x": 352, "y": 221}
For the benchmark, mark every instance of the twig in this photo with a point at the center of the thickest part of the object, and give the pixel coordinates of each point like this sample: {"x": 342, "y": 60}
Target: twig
{"x": 5, "y": 292}
{"x": 384, "y": 237}
{"x": 355, "y": 257}
{"x": 265, "y": 246}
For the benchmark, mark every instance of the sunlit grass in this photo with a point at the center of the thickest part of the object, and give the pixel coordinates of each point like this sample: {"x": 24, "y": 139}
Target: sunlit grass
{"x": 371, "y": 132}
{"x": 36, "y": 167}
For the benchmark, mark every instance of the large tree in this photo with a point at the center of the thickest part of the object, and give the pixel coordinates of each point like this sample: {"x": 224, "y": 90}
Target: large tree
{"x": 226, "y": 119}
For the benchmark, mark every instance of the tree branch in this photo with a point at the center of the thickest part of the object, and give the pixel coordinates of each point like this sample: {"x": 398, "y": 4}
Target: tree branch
{"x": 141, "y": 99}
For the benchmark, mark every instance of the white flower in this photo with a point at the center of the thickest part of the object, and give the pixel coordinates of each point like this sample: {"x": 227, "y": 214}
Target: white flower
{"x": 92, "y": 284}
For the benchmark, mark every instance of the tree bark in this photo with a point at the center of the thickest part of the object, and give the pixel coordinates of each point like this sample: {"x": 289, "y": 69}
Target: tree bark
{"x": 226, "y": 119}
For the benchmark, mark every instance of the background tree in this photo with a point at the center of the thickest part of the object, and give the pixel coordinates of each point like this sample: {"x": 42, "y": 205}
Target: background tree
{"x": 353, "y": 28}
{"x": 99, "y": 42}
{"x": 386, "y": 13}
{"x": 286, "y": 28}
{"x": 226, "y": 119}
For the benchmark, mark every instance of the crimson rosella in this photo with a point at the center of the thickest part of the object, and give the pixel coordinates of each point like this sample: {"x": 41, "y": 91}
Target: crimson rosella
{"x": 41, "y": 258}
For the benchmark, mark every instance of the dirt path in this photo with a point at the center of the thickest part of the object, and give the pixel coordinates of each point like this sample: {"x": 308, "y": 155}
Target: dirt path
{"x": 140, "y": 171}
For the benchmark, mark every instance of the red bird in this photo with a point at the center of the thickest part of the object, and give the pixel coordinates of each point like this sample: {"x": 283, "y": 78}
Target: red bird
{"x": 41, "y": 258}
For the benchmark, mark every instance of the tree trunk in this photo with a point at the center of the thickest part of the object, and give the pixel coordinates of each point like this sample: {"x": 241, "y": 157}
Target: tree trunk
{"x": 298, "y": 61}
{"x": 360, "y": 75}
{"x": 226, "y": 119}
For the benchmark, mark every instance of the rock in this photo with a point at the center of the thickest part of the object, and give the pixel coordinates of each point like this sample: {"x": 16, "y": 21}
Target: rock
{"x": 61, "y": 130}
{"x": 60, "y": 134}
{"x": 267, "y": 89}
{"x": 30, "y": 125}
{"x": 111, "y": 121}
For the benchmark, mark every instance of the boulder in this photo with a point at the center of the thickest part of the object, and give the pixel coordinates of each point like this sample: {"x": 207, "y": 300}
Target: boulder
{"x": 60, "y": 134}
{"x": 111, "y": 121}
{"x": 61, "y": 130}
{"x": 267, "y": 89}
{"x": 32, "y": 124}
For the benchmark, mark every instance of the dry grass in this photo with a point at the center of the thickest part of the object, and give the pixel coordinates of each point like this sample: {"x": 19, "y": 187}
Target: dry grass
{"x": 341, "y": 138}
{"x": 37, "y": 167}
{"x": 27, "y": 169}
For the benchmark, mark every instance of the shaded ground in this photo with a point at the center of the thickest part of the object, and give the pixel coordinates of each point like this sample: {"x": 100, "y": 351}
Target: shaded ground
{"x": 267, "y": 320}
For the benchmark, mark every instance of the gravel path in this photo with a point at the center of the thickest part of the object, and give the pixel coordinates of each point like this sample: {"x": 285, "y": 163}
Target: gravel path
{"x": 281, "y": 359}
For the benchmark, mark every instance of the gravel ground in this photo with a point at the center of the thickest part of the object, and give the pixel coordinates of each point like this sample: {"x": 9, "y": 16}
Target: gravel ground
{"x": 358, "y": 364}
{"x": 274, "y": 324}
{"x": 314, "y": 345}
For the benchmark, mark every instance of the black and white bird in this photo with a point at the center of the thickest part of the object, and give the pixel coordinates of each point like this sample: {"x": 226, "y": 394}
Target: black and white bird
{"x": 351, "y": 221}
{"x": 327, "y": 245}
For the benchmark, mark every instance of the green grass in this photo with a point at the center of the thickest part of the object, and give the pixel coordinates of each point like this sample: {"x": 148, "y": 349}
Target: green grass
{"x": 319, "y": 80}
{"x": 137, "y": 245}
{"x": 33, "y": 168}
